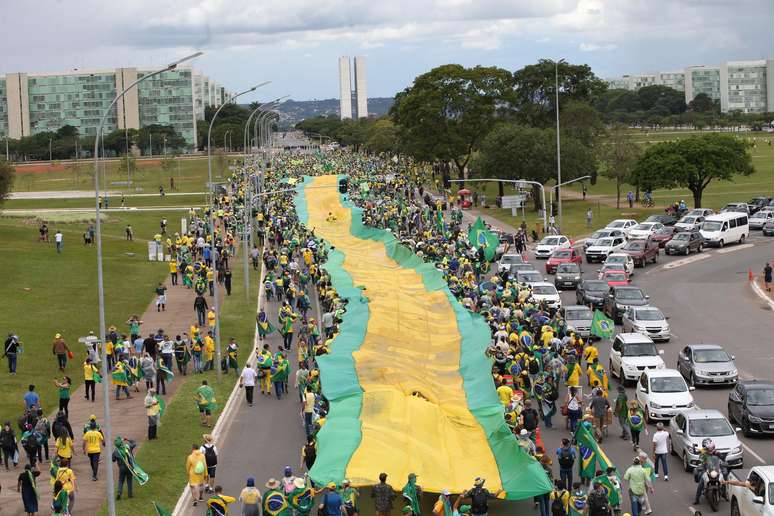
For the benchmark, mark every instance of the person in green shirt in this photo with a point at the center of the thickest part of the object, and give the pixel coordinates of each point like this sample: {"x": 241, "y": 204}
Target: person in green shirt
{"x": 621, "y": 411}
{"x": 279, "y": 374}
{"x": 639, "y": 484}
{"x": 205, "y": 401}
{"x": 64, "y": 385}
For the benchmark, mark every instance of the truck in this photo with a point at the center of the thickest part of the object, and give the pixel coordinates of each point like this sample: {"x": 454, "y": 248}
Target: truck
{"x": 758, "y": 497}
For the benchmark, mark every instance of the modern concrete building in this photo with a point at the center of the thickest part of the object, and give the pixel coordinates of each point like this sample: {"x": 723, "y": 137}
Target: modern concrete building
{"x": 352, "y": 102}
{"x": 702, "y": 79}
{"x": 31, "y": 103}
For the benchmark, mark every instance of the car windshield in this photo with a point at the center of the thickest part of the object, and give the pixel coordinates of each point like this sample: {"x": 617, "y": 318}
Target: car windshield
{"x": 522, "y": 267}
{"x": 715, "y": 427}
{"x": 615, "y": 259}
{"x": 605, "y": 242}
{"x": 688, "y": 220}
{"x": 595, "y": 286}
{"x": 760, "y": 215}
{"x": 544, "y": 290}
{"x": 668, "y": 384}
{"x": 682, "y": 236}
{"x": 550, "y": 241}
{"x": 632, "y": 294}
{"x": 665, "y": 231}
{"x": 635, "y": 245}
{"x": 568, "y": 268}
{"x": 578, "y": 315}
{"x": 564, "y": 253}
{"x": 510, "y": 258}
{"x": 711, "y": 225}
{"x": 644, "y": 226}
{"x": 649, "y": 315}
{"x": 598, "y": 234}
{"x": 704, "y": 356}
{"x": 528, "y": 276}
{"x": 615, "y": 276}
{"x": 616, "y": 224}
{"x": 640, "y": 349}
{"x": 760, "y": 397}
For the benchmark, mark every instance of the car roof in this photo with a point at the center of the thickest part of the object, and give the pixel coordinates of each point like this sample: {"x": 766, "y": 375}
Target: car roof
{"x": 704, "y": 346}
{"x": 633, "y": 337}
{"x": 646, "y": 307}
{"x": 757, "y": 384}
{"x": 575, "y": 307}
{"x": 542, "y": 284}
{"x": 703, "y": 414}
{"x": 618, "y": 254}
{"x": 592, "y": 281}
{"x": 627, "y": 287}
{"x": 662, "y": 373}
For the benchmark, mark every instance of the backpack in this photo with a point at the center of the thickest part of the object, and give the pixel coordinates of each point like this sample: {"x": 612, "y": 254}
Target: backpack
{"x": 598, "y": 503}
{"x": 566, "y": 460}
{"x": 210, "y": 456}
{"x": 557, "y": 506}
{"x": 199, "y": 467}
{"x": 310, "y": 454}
{"x": 42, "y": 426}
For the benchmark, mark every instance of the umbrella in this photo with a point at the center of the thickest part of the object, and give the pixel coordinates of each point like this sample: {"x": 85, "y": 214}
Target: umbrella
{"x": 463, "y": 191}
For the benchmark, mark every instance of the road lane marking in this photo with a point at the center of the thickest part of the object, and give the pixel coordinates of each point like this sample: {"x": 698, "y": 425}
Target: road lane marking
{"x": 686, "y": 261}
{"x": 735, "y": 248}
{"x": 752, "y": 452}
{"x": 761, "y": 294}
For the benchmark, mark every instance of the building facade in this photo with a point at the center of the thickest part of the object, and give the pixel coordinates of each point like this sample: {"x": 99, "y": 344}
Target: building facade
{"x": 39, "y": 102}
{"x": 353, "y": 102}
{"x": 746, "y": 86}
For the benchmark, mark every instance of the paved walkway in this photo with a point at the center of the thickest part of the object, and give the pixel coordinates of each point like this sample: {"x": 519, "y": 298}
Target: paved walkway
{"x": 128, "y": 416}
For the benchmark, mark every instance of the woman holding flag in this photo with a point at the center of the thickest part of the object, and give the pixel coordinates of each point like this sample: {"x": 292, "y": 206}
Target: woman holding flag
{"x": 153, "y": 411}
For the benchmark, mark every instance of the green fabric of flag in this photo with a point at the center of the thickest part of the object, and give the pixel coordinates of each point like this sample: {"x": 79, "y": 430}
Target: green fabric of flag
{"x": 97, "y": 377}
{"x": 160, "y": 511}
{"x": 602, "y": 326}
{"x": 439, "y": 220}
{"x": 162, "y": 405}
{"x": 613, "y": 493}
{"x": 592, "y": 458}
{"x": 410, "y": 495}
{"x": 122, "y": 449}
{"x": 479, "y": 235}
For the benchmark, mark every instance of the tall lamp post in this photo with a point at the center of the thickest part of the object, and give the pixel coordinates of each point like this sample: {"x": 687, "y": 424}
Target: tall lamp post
{"x": 558, "y": 143}
{"x": 212, "y": 222}
{"x": 100, "y": 284}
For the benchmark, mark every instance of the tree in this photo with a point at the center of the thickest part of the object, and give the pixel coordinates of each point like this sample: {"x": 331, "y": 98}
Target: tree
{"x": 382, "y": 136}
{"x": 446, "y": 112}
{"x": 7, "y": 175}
{"x": 693, "y": 163}
{"x": 702, "y": 103}
{"x": 618, "y": 159}
{"x": 661, "y": 100}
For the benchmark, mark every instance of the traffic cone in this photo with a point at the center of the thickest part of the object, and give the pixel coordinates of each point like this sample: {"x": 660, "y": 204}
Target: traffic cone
{"x": 749, "y": 274}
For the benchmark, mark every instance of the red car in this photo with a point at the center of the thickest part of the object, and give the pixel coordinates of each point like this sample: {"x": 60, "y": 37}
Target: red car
{"x": 563, "y": 255}
{"x": 663, "y": 235}
{"x": 615, "y": 278}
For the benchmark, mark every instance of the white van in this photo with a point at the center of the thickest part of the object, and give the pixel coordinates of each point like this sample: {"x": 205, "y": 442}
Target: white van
{"x": 723, "y": 228}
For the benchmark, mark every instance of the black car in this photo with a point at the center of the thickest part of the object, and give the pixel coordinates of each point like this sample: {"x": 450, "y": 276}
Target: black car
{"x": 756, "y": 203}
{"x": 592, "y": 292}
{"x": 685, "y": 242}
{"x": 618, "y": 299}
{"x": 768, "y": 228}
{"x": 568, "y": 275}
{"x": 751, "y": 406}
{"x": 667, "y": 220}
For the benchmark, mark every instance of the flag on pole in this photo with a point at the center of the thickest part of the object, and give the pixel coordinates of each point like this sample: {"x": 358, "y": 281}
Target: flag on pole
{"x": 602, "y": 326}
{"x": 479, "y": 235}
{"x": 613, "y": 491}
{"x": 591, "y": 455}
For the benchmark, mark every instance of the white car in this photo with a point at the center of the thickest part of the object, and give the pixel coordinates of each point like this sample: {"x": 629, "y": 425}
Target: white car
{"x": 550, "y": 244}
{"x": 603, "y": 248}
{"x": 544, "y": 291}
{"x": 507, "y": 260}
{"x": 624, "y": 225}
{"x": 645, "y": 230}
{"x": 624, "y": 259}
{"x": 633, "y": 353}
{"x": 689, "y": 223}
{"x": 760, "y": 218}
{"x": 601, "y": 233}
{"x": 647, "y": 320}
{"x": 529, "y": 277}
{"x": 757, "y": 498}
{"x": 663, "y": 394}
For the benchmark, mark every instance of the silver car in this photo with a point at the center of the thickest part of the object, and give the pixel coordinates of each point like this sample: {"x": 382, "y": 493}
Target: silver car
{"x": 601, "y": 233}
{"x": 508, "y": 260}
{"x": 579, "y": 318}
{"x": 706, "y": 364}
{"x": 529, "y": 277}
{"x": 647, "y": 320}
{"x": 689, "y": 428}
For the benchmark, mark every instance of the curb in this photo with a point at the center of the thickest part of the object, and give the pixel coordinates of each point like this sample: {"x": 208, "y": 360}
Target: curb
{"x": 761, "y": 294}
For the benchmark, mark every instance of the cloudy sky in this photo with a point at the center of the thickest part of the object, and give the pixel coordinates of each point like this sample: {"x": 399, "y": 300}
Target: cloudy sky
{"x": 295, "y": 43}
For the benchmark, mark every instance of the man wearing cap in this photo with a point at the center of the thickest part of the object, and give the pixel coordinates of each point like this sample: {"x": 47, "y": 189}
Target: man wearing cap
{"x": 332, "y": 503}
{"x": 275, "y": 502}
{"x": 60, "y": 349}
{"x": 443, "y": 506}
{"x": 479, "y": 497}
{"x": 383, "y": 496}
{"x": 93, "y": 440}
{"x": 350, "y": 496}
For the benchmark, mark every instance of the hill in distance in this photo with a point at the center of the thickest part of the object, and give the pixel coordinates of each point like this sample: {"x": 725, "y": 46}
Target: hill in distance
{"x": 293, "y": 111}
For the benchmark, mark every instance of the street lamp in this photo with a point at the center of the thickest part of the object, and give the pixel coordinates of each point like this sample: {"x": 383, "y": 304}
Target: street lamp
{"x": 225, "y": 135}
{"x": 249, "y": 118}
{"x": 558, "y": 142}
{"x": 551, "y": 192}
{"x": 517, "y": 183}
{"x": 49, "y": 151}
{"x": 100, "y": 282}
{"x": 212, "y": 221}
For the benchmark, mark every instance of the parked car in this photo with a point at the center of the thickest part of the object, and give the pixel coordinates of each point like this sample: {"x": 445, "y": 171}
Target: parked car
{"x": 663, "y": 235}
{"x": 549, "y": 244}
{"x": 623, "y": 224}
{"x": 578, "y": 317}
{"x": 689, "y": 428}
{"x": 591, "y": 292}
{"x": 701, "y": 212}
{"x": 631, "y": 354}
{"x": 644, "y": 229}
{"x": 568, "y": 275}
{"x": 604, "y": 247}
{"x": 618, "y": 299}
{"x": 689, "y": 223}
{"x": 665, "y": 219}
{"x": 564, "y": 255}
{"x": 601, "y": 233}
{"x": 737, "y": 207}
{"x": 546, "y": 292}
{"x": 624, "y": 259}
{"x": 663, "y": 393}
{"x": 753, "y": 500}
{"x": 756, "y": 203}
{"x": 768, "y": 228}
{"x": 684, "y": 243}
{"x": 760, "y": 219}
{"x": 706, "y": 364}
{"x": 751, "y": 406}
{"x": 647, "y": 320}
{"x": 507, "y": 260}
{"x": 641, "y": 251}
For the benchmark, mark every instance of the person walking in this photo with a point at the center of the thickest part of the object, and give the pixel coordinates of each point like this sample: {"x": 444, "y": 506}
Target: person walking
{"x": 67, "y": 477}
{"x": 247, "y": 380}
{"x": 566, "y": 456}
{"x": 250, "y": 499}
{"x": 383, "y": 495}
{"x": 196, "y": 469}
{"x": 64, "y": 385}
{"x": 574, "y": 407}
{"x": 630, "y": 199}
{"x": 161, "y": 297}
{"x": 639, "y": 484}
{"x": 661, "y": 450}
{"x": 200, "y": 306}
{"x": 8, "y": 445}
{"x": 153, "y": 411}
{"x": 621, "y": 411}
{"x": 205, "y": 401}
{"x": 767, "y": 273}
{"x": 31, "y": 398}
{"x": 59, "y": 239}
{"x": 61, "y": 351}
{"x": 636, "y": 420}
{"x": 27, "y": 485}
{"x": 124, "y": 457}
{"x": 589, "y": 217}
{"x": 89, "y": 379}
{"x": 93, "y": 441}
{"x": 11, "y": 349}
{"x": 211, "y": 459}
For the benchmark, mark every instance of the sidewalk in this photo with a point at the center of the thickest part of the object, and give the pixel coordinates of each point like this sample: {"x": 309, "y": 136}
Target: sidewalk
{"x": 127, "y": 416}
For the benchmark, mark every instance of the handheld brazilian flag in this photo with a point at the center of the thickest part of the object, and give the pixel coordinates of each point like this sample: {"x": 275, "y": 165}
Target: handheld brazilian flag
{"x": 162, "y": 405}
{"x": 613, "y": 492}
{"x": 97, "y": 377}
{"x": 302, "y": 500}
{"x": 479, "y": 235}
{"x": 119, "y": 376}
{"x": 409, "y": 493}
{"x": 591, "y": 455}
{"x": 164, "y": 369}
{"x": 602, "y": 326}
{"x": 160, "y": 511}
{"x": 264, "y": 327}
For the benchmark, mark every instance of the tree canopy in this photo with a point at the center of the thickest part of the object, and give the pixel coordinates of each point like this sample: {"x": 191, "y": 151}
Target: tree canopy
{"x": 7, "y": 174}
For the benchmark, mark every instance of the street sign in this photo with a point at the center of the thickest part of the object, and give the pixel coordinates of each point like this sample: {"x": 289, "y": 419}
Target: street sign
{"x": 513, "y": 201}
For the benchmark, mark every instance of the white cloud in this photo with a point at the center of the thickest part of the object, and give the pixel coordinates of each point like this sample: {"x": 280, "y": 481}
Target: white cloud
{"x": 594, "y": 47}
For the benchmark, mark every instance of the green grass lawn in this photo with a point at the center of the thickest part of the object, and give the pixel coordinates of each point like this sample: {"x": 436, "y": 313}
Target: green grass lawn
{"x": 50, "y": 293}
{"x": 190, "y": 175}
{"x": 164, "y": 459}
{"x": 114, "y": 202}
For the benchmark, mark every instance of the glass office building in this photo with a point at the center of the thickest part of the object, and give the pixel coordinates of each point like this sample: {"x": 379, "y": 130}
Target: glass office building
{"x": 34, "y": 103}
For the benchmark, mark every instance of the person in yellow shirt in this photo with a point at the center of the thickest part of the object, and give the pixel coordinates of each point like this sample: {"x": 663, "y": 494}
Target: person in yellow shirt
{"x": 590, "y": 354}
{"x": 250, "y": 498}
{"x": 173, "y": 270}
{"x": 196, "y": 469}
{"x": 67, "y": 477}
{"x": 209, "y": 351}
{"x": 89, "y": 370}
{"x": 153, "y": 411}
{"x": 211, "y": 319}
{"x": 92, "y": 447}
{"x": 218, "y": 502}
{"x": 504, "y": 392}
{"x": 64, "y": 447}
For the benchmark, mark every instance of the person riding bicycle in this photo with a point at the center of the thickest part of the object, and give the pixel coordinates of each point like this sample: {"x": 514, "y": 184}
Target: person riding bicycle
{"x": 648, "y": 197}
{"x": 700, "y": 473}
